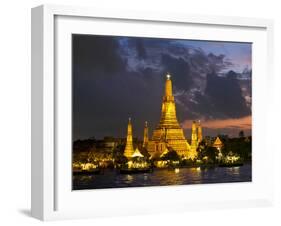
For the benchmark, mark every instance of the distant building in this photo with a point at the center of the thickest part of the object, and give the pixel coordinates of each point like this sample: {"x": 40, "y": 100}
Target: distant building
{"x": 109, "y": 143}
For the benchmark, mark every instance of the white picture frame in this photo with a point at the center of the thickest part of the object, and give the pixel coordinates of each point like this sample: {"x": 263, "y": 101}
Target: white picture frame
{"x": 51, "y": 199}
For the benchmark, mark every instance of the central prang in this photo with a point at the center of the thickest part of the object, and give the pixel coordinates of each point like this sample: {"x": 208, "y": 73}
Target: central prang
{"x": 169, "y": 135}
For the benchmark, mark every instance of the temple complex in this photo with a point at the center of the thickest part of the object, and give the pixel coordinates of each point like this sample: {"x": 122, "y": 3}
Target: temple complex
{"x": 168, "y": 133}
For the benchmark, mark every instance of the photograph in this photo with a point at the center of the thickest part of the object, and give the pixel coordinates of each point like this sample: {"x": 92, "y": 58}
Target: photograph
{"x": 150, "y": 111}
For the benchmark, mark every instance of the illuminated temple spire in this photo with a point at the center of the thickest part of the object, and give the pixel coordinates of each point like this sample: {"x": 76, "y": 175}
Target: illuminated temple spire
{"x": 168, "y": 87}
{"x": 168, "y": 113}
{"x": 129, "y": 149}
{"x": 145, "y": 135}
{"x": 196, "y": 137}
{"x": 168, "y": 135}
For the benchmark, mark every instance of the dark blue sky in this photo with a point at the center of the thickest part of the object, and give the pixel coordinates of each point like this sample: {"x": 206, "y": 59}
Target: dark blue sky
{"x": 119, "y": 77}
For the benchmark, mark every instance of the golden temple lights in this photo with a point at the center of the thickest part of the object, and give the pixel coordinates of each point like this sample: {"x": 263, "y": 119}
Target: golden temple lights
{"x": 168, "y": 135}
{"x": 129, "y": 149}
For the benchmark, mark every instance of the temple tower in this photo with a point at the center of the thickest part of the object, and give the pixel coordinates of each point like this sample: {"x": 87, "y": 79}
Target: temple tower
{"x": 129, "y": 149}
{"x": 168, "y": 133}
{"x": 199, "y": 132}
{"x": 145, "y": 136}
{"x": 168, "y": 112}
{"x": 194, "y": 133}
{"x": 194, "y": 137}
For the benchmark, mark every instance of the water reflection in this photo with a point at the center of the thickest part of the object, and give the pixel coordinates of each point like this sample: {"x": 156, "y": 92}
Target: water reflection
{"x": 129, "y": 179}
{"x": 112, "y": 179}
{"x": 234, "y": 170}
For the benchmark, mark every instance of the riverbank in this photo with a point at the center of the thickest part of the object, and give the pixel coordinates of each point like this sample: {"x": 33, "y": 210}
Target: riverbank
{"x": 161, "y": 177}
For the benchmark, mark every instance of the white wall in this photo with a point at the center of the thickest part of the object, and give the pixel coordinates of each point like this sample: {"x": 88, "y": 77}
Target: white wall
{"x": 15, "y": 110}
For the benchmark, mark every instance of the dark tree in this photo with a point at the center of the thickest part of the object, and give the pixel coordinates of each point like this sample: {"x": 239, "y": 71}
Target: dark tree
{"x": 171, "y": 155}
{"x": 118, "y": 154}
{"x": 241, "y": 134}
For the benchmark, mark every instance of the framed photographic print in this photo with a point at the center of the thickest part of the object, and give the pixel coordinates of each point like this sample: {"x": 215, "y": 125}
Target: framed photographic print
{"x": 135, "y": 112}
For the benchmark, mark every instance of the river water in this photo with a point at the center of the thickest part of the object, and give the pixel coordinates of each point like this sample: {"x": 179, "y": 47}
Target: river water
{"x": 160, "y": 177}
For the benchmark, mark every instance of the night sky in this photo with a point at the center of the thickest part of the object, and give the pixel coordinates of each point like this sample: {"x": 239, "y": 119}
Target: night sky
{"x": 115, "y": 78}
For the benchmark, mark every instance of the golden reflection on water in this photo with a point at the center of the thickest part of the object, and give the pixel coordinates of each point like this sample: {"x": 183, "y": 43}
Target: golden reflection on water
{"x": 177, "y": 176}
{"x": 234, "y": 170}
{"x": 145, "y": 177}
{"x": 160, "y": 177}
{"x": 129, "y": 178}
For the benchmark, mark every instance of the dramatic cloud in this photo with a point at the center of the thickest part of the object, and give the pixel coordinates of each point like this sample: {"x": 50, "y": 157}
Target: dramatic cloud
{"x": 96, "y": 56}
{"x": 180, "y": 68}
{"x": 140, "y": 49}
{"x": 225, "y": 94}
{"x": 119, "y": 77}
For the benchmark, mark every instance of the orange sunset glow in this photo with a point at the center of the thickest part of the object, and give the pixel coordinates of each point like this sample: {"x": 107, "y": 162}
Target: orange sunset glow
{"x": 243, "y": 123}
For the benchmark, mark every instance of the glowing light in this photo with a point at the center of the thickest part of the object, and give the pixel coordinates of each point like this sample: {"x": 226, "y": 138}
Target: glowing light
{"x": 137, "y": 153}
{"x": 88, "y": 166}
{"x": 232, "y": 158}
{"x": 161, "y": 164}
